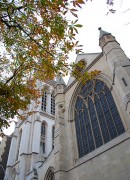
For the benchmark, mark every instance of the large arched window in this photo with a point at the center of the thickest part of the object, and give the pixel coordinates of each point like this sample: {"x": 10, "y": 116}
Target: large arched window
{"x": 97, "y": 119}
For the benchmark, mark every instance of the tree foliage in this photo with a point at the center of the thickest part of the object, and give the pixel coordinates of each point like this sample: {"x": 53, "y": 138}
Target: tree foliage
{"x": 35, "y": 40}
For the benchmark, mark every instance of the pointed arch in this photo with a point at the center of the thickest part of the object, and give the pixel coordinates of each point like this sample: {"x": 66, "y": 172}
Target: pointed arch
{"x": 97, "y": 120}
{"x": 43, "y": 136}
{"x": 103, "y": 77}
{"x": 50, "y": 174}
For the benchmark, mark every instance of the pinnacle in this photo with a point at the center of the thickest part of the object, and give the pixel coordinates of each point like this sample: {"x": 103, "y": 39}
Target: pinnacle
{"x": 102, "y": 33}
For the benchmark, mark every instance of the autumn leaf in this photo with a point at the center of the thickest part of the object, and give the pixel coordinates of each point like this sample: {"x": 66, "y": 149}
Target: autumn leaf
{"x": 36, "y": 38}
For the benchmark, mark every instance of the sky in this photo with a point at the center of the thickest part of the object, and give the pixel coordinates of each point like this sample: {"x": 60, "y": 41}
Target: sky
{"x": 94, "y": 15}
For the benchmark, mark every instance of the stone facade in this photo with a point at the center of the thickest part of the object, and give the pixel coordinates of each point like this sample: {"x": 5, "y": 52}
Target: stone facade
{"x": 4, "y": 151}
{"x": 109, "y": 161}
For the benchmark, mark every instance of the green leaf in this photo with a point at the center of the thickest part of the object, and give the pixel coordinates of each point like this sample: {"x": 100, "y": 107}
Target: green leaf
{"x": 78, "y": 25}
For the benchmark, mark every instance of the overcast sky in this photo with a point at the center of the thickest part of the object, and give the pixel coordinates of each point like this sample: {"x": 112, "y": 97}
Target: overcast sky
{"x": 92, "y": 16}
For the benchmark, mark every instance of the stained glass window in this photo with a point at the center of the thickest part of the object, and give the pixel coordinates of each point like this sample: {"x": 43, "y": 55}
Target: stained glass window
{"x": 97, "y": 120}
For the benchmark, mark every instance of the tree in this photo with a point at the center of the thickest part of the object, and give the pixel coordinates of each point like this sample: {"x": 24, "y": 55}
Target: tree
{"x": 35, "y": 40}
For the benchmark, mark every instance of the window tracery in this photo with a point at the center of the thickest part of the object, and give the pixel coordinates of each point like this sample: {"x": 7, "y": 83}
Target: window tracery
{"x": 50, "y": 174}
{"x": 97, "y": 119}
{"x": 44, "y": 101}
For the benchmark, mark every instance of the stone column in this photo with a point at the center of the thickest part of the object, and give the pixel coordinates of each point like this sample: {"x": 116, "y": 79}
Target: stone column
{"x": 24, "y": 145}
{"x": 22, "y": 167}
{"x": 48, "y": 105}
{"x": 48, "y": 139}
{"x": 12, "y": 155}
{"x": 13, "y": 149}
{"x": 59, "y": 141}
{"x": 35, "y": 141}
{"x": 36, "y": 136}
{"x": 24, "y": 149}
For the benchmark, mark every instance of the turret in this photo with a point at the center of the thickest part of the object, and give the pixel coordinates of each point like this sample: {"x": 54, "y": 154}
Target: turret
{"x": 111, "y": 48}
{"x": 119, "y": 65}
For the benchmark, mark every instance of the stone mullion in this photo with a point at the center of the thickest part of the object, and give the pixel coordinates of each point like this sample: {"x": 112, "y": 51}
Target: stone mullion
{"x": 86, "y": 129}
{"x": 104, "y": 117}
{"x": 91, "y": 128}
{"x": 110, "y": 113}
{"x": 98, "y": 122}
{"x": 80, "y": 132}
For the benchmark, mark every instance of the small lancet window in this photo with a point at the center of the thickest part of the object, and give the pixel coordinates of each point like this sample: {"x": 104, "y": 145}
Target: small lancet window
{"x": 52, "y": 104}
{"x": 49, "y": 174}
{"x": 44, "y": 101}
{"x": 43, "y": 137}
{"x": 97, "y": 119}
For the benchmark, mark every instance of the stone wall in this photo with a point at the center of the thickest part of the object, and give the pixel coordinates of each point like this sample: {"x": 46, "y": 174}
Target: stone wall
{"x": 113, "y": 164}
{"x": 4, "y": 155}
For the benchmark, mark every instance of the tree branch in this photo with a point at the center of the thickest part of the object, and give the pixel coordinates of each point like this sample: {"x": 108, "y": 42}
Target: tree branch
{"x": 17, "y": 25}
{"x": 14, "y": 74}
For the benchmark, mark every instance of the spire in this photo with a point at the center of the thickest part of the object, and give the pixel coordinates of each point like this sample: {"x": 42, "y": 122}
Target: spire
{"x": 102, "y": 33}
{"x": 59, "y": 79}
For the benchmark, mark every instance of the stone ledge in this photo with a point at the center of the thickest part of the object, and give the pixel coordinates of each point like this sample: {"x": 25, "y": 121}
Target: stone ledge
{"x": 103, "y": 149}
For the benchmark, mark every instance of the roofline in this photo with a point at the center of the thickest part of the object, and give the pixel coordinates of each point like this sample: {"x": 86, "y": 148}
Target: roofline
{"x": 90, "y": 65}
{"x": 88, "y": 53}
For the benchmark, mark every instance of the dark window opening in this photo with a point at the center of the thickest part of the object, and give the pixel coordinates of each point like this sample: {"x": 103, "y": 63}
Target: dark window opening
{"x": 52, "y": 105}
{"x": 44, "y": 99}
{"x": 43, "y": 137}
{"x": 97, "y": 119}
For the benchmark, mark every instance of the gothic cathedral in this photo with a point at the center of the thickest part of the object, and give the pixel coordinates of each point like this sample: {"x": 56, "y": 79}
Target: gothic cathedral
{"x": 79, "y": 131}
